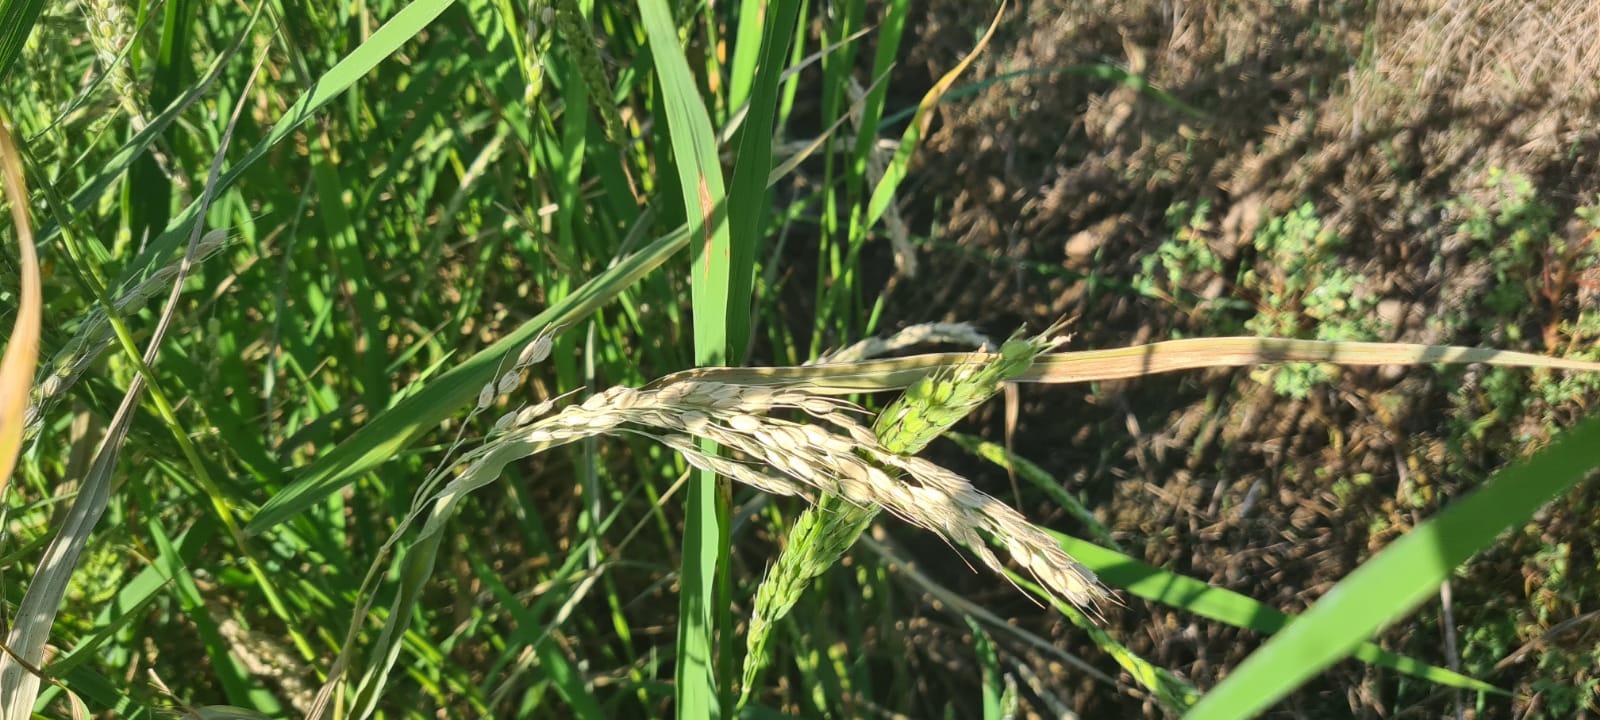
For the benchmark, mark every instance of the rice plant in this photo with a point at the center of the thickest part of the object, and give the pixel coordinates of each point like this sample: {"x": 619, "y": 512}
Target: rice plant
{"x": 470, "y": 359}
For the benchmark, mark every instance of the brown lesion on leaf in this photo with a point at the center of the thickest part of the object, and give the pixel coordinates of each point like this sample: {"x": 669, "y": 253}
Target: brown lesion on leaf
{"x": 707, "y": 229}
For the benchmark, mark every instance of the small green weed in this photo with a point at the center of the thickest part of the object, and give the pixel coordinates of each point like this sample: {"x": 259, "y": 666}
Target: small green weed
{"x": 1304, "y": 290}
{"x": 1298, "y": 279}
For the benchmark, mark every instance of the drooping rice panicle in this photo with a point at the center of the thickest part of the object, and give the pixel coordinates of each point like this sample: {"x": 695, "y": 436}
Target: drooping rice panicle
{"x": 809, "y": 459}
{"x": 832, "y": 459}
{"x": 823, "y": 533}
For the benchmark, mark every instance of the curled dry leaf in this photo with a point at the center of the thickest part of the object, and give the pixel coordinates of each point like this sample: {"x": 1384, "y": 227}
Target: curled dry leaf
{"x": 22, "y": 348}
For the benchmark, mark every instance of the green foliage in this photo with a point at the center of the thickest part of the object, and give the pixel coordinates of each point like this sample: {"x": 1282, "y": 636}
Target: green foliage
{"x": 1298, "y": 277}
{"x": 1512, "y": 230}
{"x": 1183, "y": 253}
{"x": 1305, "y": 291}
{"x": 414, "y": 192}
{"x": 1534, "y": 267}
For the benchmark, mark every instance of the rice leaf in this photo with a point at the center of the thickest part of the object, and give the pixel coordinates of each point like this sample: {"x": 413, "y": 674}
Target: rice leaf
{"x": 699, "y": 174}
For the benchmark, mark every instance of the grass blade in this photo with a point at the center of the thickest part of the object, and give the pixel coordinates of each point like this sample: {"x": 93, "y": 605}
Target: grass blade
{"x": 747, "y": 200}
{"x": 700, "y": 183}
{"x": 391, "y": 431}
{"x": 36, "y": 614}
{"x": 883, "y": 193}
{"x": 1226, "y": 606}
{"x": 17, "y": 18}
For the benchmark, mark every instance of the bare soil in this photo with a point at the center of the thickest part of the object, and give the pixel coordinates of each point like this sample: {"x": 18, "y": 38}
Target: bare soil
{"x": 1041, "y": 194}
